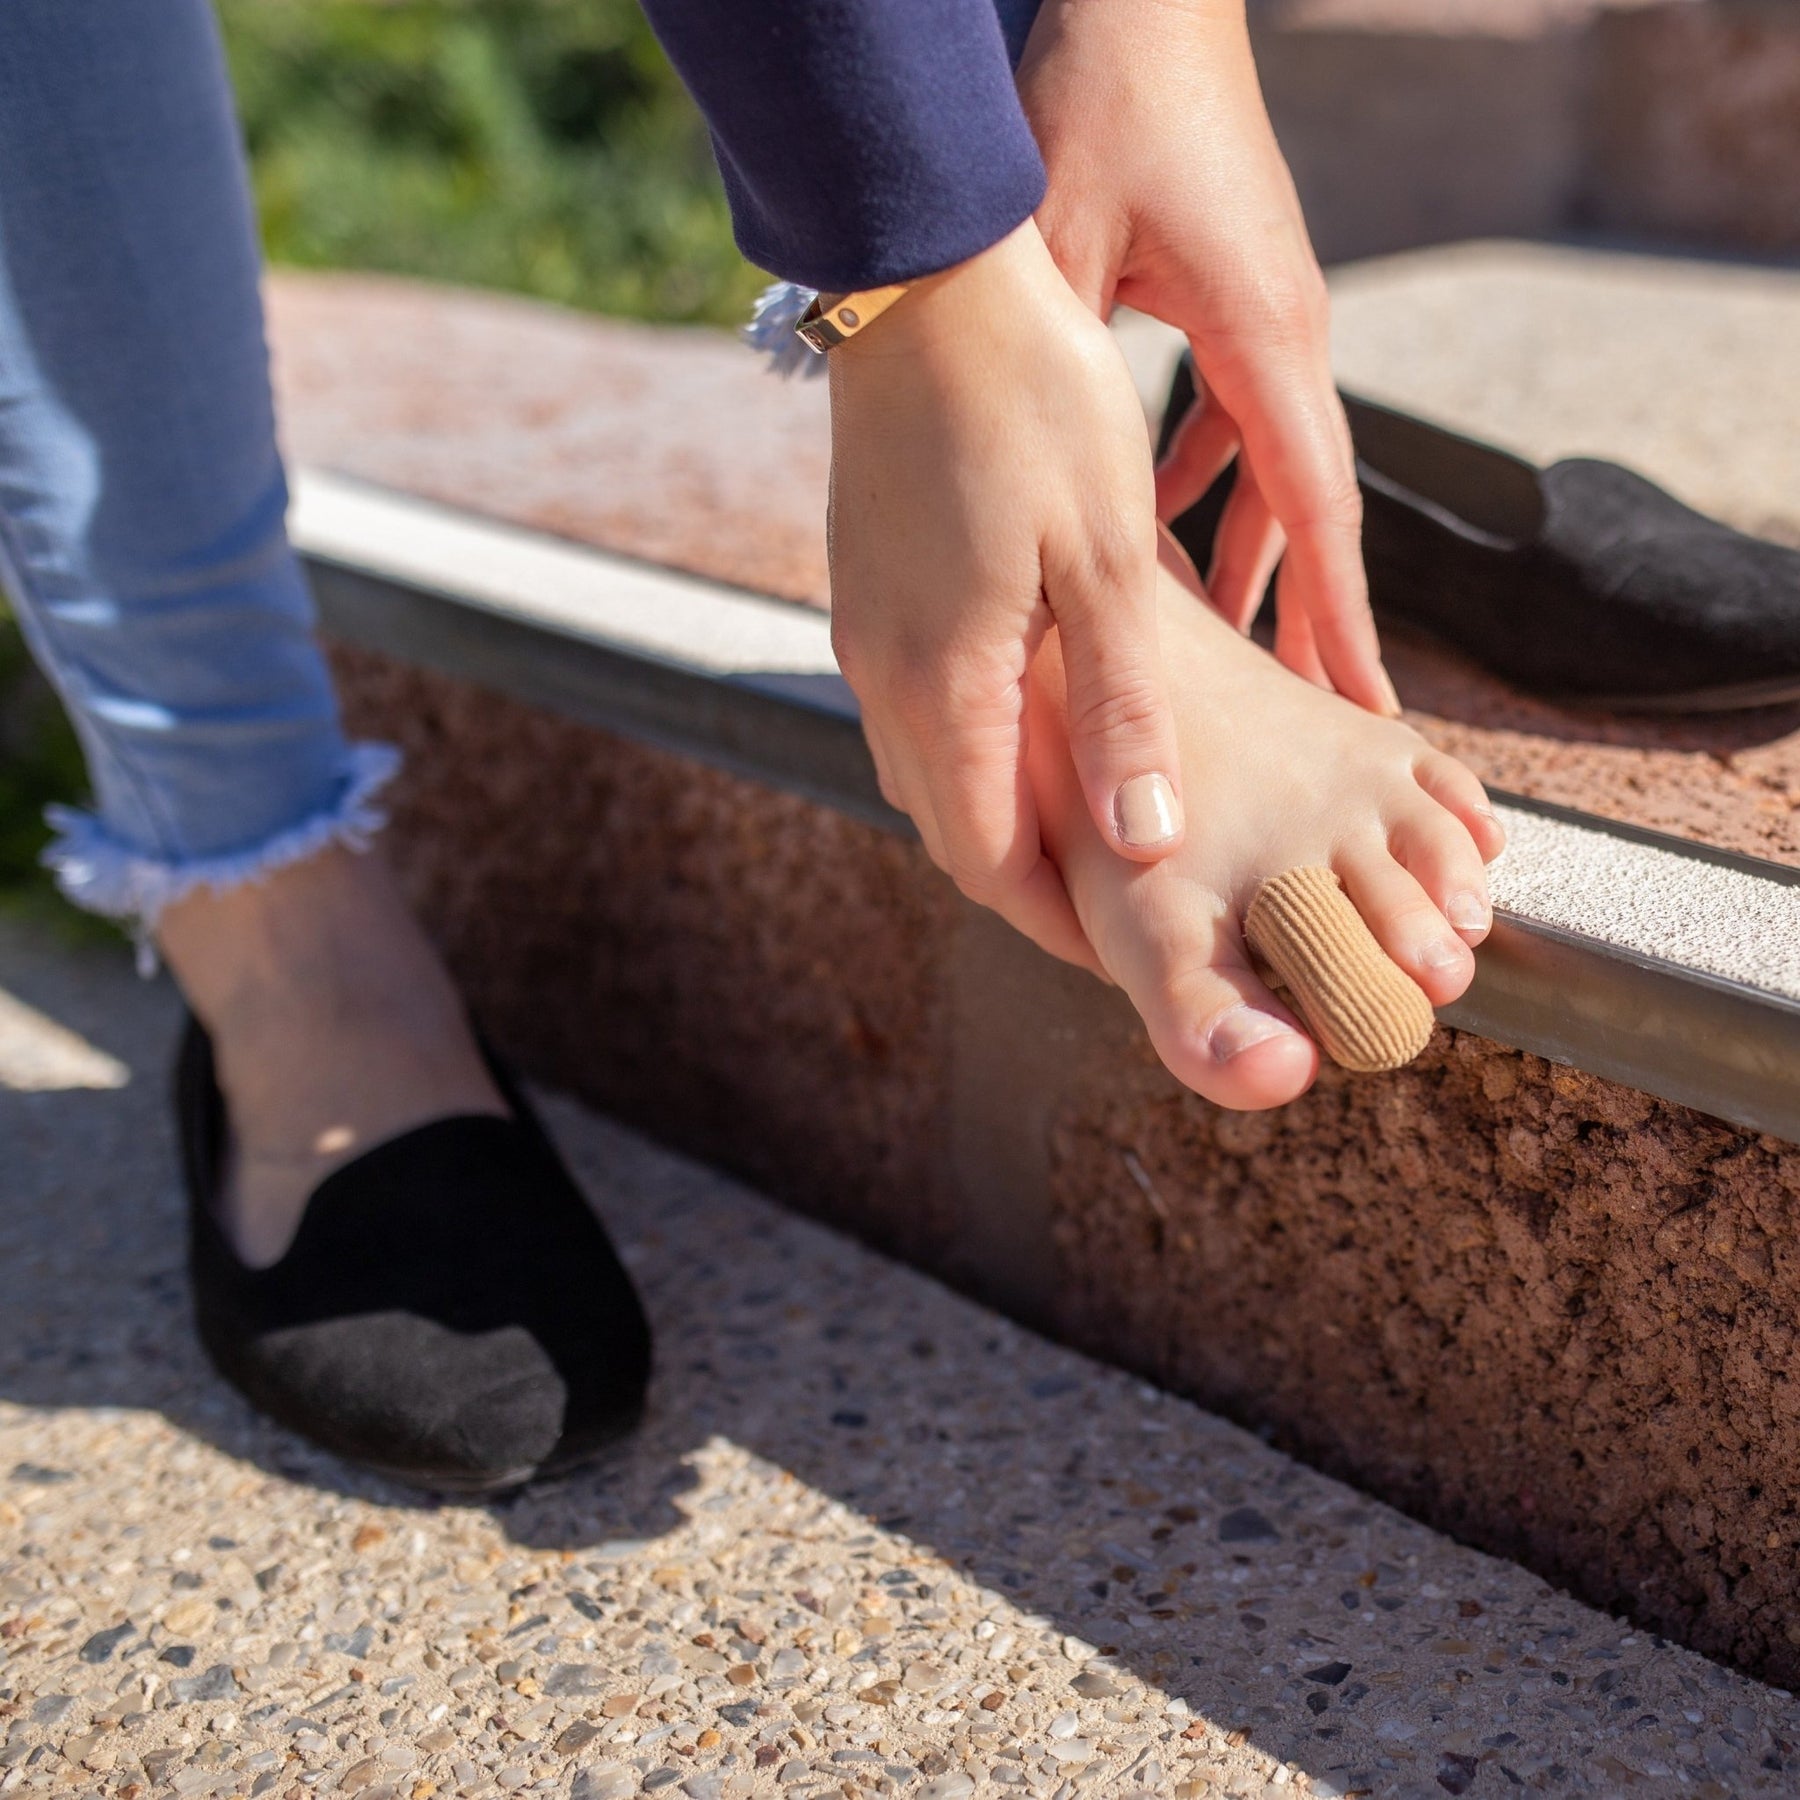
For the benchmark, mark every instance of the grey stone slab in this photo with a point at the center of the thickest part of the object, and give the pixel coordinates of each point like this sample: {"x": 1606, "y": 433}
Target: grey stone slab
{"x": 1682, "y": 368}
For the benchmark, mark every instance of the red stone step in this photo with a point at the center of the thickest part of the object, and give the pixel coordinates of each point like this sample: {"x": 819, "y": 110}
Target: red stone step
{"x": 1543, "y": 1309}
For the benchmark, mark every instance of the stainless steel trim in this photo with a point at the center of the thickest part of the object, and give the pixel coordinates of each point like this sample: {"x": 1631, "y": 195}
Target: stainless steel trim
{"x": 795, "y": 731}
{"x": 1718, "y": 1046}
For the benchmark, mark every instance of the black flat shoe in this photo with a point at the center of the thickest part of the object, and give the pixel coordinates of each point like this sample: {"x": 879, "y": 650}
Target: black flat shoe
{"x": 450, "y": 1312}
{"x": 1582, "y": 582}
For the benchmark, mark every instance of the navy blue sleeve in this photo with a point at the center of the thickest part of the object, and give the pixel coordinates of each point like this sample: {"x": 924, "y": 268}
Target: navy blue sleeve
{"x": 861, "y": 141}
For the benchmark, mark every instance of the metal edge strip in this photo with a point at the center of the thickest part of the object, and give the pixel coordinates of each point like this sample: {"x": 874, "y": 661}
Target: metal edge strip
{"x": 794, "y": 731}
{"x": 1675, "y": 1033}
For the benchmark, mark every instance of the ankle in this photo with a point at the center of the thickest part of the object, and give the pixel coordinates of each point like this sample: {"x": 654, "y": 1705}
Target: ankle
{"x": 334, "y": 1027}
{"x": 326, "y": 942}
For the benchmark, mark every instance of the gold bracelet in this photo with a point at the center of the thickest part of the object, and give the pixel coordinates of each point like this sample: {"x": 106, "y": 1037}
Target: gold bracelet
{"x": 832, "y": 318}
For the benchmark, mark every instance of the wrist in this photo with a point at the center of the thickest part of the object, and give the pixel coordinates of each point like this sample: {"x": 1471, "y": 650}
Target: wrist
{"x": 959, "y": 304}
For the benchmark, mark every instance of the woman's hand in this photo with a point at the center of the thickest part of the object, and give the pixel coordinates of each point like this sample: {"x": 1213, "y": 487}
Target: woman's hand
{"x": 991, "y": 477}
{"x": 1168, "y": 194}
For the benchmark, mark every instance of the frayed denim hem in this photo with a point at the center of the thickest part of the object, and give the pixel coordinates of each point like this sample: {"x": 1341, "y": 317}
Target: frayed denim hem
{"x": 770, "y": 332}
{"x": 100, "y": 874}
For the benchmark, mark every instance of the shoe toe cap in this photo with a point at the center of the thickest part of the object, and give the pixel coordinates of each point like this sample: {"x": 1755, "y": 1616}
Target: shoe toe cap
{"x": 415, "y": 1399}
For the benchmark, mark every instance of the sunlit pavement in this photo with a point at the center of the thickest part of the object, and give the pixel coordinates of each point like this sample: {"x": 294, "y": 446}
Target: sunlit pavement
{"x": 872, "y": 1539}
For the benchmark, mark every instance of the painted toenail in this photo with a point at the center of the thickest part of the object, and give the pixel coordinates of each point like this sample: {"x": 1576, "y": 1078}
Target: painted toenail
{"x": 1146, "y": 811}
{"x": 1444, "y": 953}
{"x": 1241, "y": 1029}
{"x": 1469, "y": 912}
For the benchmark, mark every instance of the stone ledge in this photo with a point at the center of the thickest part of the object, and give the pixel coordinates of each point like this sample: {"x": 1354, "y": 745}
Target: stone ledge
{"x": 608, "y": 433}
{"x": 1533, "y": 1305}
{"x": 1628, "y": 954}
{"x": 802, "y": 998}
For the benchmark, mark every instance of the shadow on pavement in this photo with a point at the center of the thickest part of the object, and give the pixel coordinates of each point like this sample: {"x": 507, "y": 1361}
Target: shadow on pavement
{"x": 1267, "y": 1598}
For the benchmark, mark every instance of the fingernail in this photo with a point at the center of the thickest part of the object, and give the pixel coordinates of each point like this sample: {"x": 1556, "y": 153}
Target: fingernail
{"x": 1241, "y": 1029}
{"x": 1393, "y": 695}
{"x": 1468, "y": 912}
{"x": 1146, "y": 811}
{"x": 1444, "y": 953}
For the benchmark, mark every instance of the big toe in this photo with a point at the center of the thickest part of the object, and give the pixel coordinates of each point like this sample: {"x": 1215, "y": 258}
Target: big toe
{"x": 1221, "y": 1032}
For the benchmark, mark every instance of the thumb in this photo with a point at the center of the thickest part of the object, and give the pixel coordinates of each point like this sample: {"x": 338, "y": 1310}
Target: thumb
{"x": 1088, "y": 252}
{"x": 1121, "y": 730}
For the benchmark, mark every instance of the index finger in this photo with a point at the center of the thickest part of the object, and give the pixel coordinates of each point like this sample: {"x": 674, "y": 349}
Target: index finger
{"x": 978, "y": 818}
{"x": 1296, "y": 438}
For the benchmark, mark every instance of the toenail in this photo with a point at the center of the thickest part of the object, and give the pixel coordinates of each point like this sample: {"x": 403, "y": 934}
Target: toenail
{"x": 1469, "y": 912}
{"x": 1444, "y": 953}
{"x": 1146, "y": 811}
{"x": 1241, "y": 1029}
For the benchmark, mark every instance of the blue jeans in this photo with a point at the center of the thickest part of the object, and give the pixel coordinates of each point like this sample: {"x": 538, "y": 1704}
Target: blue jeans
{"x": 142, "y": 541}
{"x": 142, "y": 499}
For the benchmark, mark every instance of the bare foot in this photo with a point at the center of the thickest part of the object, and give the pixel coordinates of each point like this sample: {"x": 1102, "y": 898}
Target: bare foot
{"x": 334, "y": 1027}
{"x": 1279, "y": 774}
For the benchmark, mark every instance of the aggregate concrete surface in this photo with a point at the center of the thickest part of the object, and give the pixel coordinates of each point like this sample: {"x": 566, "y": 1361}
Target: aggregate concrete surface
{"x": 872, "y": 1540}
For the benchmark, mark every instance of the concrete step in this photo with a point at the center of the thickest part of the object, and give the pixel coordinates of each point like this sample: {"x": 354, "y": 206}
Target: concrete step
{"x": 1633, "y": 954}
{"x": 872, "y": 1540}
{"x": 1544, "y": 1306}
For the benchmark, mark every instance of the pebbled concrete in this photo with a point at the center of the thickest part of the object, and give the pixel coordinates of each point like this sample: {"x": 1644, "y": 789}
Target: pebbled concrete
{"x": 873, "y": 1540}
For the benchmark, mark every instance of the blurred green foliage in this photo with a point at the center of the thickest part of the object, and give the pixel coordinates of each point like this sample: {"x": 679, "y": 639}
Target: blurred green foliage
{"x": 539, "y": 145}
{"x": 40, "y": 761}
{"x": 543, "y": 146}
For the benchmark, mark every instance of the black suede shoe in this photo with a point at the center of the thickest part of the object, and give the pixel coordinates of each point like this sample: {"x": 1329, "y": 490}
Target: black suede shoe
{"x": 1582, "y": 582}
{"x": 450, "y": 1312}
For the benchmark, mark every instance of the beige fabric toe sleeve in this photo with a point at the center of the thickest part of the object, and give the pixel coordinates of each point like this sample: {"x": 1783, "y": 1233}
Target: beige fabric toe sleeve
{"x": 1367, "y": 1015}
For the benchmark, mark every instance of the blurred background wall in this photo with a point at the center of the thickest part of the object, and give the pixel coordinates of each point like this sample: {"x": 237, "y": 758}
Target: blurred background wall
{"x": 544, "y": 146}
{"x": 1410, "y": 122}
